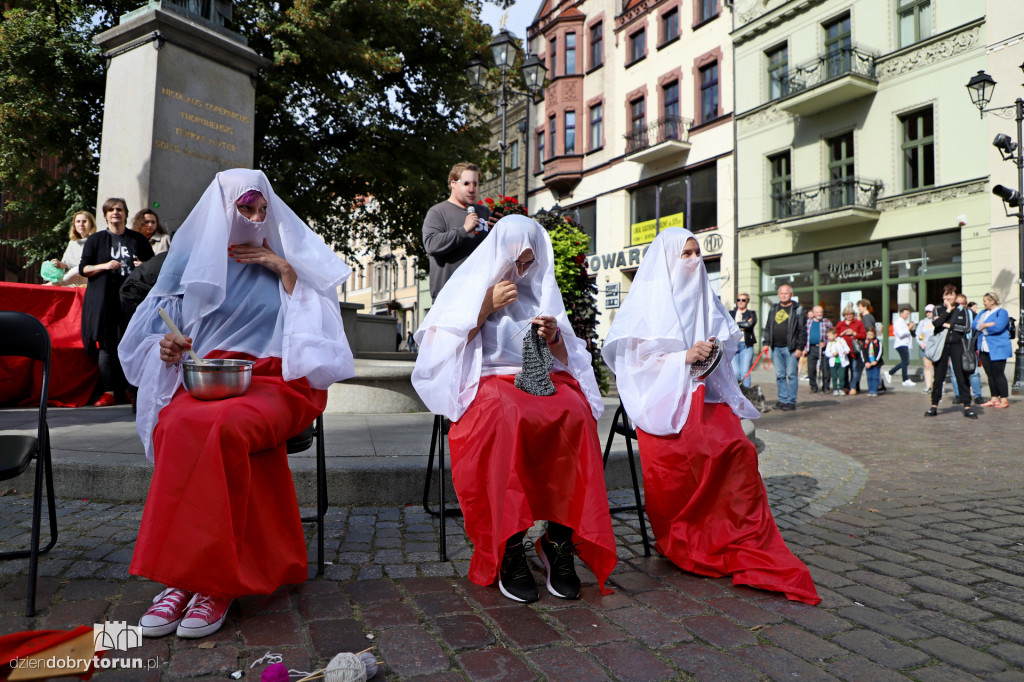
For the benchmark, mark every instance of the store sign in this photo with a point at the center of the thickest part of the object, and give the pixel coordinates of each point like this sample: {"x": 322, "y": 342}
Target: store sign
{"x": 627, "y": 258}
{"x": 858, "y": 269}
{"x": 645, "y": 232}
{"x": 712, "y": 244}
{"x": 612, "y": 296}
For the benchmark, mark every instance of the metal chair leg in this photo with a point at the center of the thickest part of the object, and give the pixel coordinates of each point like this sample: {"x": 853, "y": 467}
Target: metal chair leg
{"x": 321, "y": 493}
{"x": 638, "y": 506}
{"x": 443, "y": 538}
{"x": 442, "y": 511}
{"x": 636, "y": 496}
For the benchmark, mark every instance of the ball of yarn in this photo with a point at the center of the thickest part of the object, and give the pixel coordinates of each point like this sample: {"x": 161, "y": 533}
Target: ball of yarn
{"x": 276, "y": 672}
{"x": 346, "y": 667}
{"x": 370, "y": 663}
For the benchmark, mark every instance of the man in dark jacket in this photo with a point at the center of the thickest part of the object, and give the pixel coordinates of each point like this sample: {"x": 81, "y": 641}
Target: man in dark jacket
{"x": 785, "y": 336}
{"x": 746, "y": 320}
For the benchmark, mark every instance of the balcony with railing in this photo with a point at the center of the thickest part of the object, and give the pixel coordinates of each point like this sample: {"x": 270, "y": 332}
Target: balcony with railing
{"x": 665, "y": 138}
{"x": 839, "y": 203}
{"x": 835, "y": 78}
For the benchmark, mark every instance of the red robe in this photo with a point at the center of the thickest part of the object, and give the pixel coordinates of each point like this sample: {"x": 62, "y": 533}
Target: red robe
{"x": 221, "y": 517}
{"x": 708, "y": 506}
{"x": 519, "y": 458}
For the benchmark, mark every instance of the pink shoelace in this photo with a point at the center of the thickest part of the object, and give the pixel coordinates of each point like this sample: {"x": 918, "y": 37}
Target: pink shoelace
{"x": 169, "y": 604}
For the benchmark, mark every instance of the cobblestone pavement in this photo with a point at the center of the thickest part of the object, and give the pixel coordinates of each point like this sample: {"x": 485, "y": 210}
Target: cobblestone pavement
{"x": 922, "y": 576}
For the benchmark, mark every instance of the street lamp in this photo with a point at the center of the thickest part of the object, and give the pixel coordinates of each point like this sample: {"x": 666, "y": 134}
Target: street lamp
{"x": 504, "y": 49}
{"x": 981, "y": 87}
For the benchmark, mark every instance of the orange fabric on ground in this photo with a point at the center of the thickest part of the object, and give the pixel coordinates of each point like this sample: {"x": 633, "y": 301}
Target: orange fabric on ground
{"x": 519, "y": 458}
{"x": 221, "y": 517}
{"x": 708, "y": 506}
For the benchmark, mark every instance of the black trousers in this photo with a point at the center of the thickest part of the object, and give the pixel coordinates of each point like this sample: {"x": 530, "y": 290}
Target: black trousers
{"x": 952, "y": 353}
{"x": 996, "y": 371}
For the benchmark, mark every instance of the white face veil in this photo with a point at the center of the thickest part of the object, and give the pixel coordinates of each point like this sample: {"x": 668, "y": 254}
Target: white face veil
{"x": 670, "y": 307}
{"x": 227, "y": 306}
{"x": 448, "y": 368}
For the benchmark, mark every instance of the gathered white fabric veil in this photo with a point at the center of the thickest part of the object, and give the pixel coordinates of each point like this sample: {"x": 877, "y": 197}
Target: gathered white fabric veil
{"x": 670, "y": 306}
{"x": 448, "y": 368}
{"x": 226, "y": 306}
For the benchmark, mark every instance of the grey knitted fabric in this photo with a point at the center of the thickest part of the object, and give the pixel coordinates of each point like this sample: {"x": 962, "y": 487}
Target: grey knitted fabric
{"x": 535, "y": 378}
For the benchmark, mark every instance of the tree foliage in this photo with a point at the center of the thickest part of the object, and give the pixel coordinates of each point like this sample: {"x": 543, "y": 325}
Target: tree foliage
{"x": 364, "y": 99}
{"x": 358, "y": 119}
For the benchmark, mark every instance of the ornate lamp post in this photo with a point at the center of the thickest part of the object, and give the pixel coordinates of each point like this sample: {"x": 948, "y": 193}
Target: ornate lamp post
{"x": 981, "y": 87}
{"x": 504, "y": 49}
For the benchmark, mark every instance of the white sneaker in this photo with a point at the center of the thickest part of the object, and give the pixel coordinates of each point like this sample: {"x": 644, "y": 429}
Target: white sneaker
{"x": 888, "y": 378}
{"x": 163, "y": 616}
{"x": 909, "y": 383}
{"x": 204, "y": 617}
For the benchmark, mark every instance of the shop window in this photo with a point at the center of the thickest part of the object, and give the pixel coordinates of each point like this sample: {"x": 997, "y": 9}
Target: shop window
{"x": 637, "y": 45}
{"x": 596, "y": 45}
{"x": 778, "y": 72}
{"x": 669, "y": 197}
{"x": 915, "y": 21}
{"x": 838, "y": 46}
{"x": 928, "y": 256}
{"x": 670, "y": 25}
{"x": 570, "y": 53}
{"x": 851, "y": 264}
{"x": 596, "y": 126}
{"x": 780, "y": 186}
{"x": 796, "y": 271}
{"x": 709, "y": 92}
{"x": 570, "y": 132}
{"x": 918, "y": 149}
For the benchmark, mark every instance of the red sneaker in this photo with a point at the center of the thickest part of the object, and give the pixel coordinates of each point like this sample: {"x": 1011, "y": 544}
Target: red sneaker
{"x": 106, "y": 400}
{"x": 204, "y": 617}
{"x": 163, "y": 616}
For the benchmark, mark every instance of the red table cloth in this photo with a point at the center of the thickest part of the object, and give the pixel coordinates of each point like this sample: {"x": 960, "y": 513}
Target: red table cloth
{"x": 73, "y": 373}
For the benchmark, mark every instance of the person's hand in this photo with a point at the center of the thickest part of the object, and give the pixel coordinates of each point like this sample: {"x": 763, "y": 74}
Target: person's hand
{"x": 798, "y": 354}
{"x": 699, "y": 352}
{"x": 263, "y": 255}
{"x": 137, "y": 262}
{"x": 173, "y": 346}
{"x": 986, "y": 325}
{"x": 111, "y": 265}
{"x": 503, "y": 293}
{"x": 59, "y": 263}
{"x": 494, "y": 217}
{"x": 471, "y": 222}
{"x": 548, "y": 329}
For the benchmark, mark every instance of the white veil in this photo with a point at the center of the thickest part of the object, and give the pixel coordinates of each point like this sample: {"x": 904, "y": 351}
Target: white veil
{"x": 227, "y": 306}
{"x": 448, "y": 368}
{"x": 670, "y": 306}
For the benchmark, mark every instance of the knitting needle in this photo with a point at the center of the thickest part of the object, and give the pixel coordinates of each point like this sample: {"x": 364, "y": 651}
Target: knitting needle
{"x": 524, "y": 327}
{"x": 174, "y": 330}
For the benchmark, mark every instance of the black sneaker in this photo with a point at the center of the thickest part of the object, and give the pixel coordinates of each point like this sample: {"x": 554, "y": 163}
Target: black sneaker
{"x": 778, "y": 405}
{"x": 514, "y": 579}
{"x": 931, "y": 412}
{"x": 970, "y": 414}
{"x": 560, "y": 564}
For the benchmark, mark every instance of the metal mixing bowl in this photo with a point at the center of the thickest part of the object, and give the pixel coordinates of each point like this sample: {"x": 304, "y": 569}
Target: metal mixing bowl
{"x": 217, "y": 379}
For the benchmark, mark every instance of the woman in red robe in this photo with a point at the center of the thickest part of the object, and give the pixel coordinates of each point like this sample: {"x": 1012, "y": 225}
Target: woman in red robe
{"x": 518, "y": 454}
{"x": 704, "y": 496}
{"x": 244, "y": 278}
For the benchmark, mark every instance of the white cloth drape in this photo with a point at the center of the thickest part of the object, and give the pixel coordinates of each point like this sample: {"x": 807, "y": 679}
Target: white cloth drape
{"x": 227, "y": 306}
{"x": 670, "y": 306}
{"x": 449, "y": 367}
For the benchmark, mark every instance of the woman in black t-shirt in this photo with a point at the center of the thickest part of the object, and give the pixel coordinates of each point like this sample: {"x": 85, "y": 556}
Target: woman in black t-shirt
{"x": 954, "y": 319}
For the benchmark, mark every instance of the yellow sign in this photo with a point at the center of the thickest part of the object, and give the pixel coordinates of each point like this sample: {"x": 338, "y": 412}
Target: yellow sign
{"x": 645, "y": 232}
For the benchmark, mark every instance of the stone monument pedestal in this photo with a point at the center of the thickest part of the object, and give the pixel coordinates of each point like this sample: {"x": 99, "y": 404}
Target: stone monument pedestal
{"x": 178, "y": 109}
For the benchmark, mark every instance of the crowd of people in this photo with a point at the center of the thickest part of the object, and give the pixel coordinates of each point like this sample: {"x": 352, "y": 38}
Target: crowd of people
{"x": 834, "y": 357}
{"x": 499, "y": 359}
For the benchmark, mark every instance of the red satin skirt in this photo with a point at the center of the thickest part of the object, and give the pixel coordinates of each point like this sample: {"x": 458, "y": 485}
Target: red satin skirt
{"x": 519, "y": 458}
{"x": 708, "y": 506}
{"x": 221, "y": 517}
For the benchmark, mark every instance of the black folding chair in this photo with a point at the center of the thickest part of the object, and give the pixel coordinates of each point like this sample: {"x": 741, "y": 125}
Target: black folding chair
{"x": 22, "y": 335}
{"x": 437, "y": 436}
{"x": 301, "y": 443}
{"x": 622, "y": 426}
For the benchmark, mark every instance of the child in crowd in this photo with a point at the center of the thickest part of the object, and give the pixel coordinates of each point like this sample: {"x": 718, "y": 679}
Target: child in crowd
{"x": 872, "y": 360}
{"x": 838, "y": 354}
